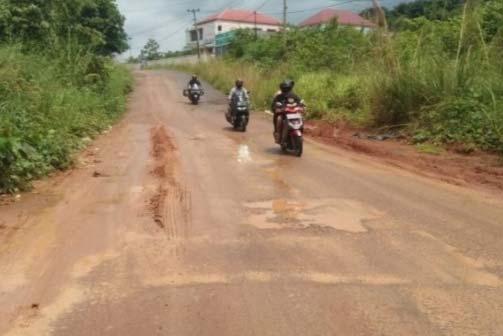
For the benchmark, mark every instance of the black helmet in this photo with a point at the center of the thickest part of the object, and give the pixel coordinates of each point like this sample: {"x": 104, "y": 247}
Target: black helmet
{"x": 287, "y": 85}
{"x": 239, "y": 83}
{"x": 194, "y": 76}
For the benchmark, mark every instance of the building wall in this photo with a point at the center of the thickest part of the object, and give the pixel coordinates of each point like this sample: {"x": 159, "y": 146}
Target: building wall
{"x": 211, "y": 29}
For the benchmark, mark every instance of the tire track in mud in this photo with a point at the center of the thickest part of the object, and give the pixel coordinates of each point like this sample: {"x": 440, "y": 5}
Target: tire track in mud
{"x": 171, "y": 203}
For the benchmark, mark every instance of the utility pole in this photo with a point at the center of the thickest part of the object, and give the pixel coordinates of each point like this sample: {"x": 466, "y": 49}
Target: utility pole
{"x": 285, "y": 9}
{"x": 255, "y": 21}
{"x": 194, "y": 11}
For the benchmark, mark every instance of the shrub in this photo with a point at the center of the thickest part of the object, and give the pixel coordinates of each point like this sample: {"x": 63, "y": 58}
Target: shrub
{"x": 45, "y": 113}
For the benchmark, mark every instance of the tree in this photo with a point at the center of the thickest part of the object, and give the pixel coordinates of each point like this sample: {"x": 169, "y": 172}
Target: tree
{"x": 430, "y": 9}
{"x": 492, "y": 19}
{"x": 101, "y": 19}
{"x": 97, "y": 25}
{"x": 27, "y": 20}
{"x": 150, "y": 51}
{"x": 3, "y": 19}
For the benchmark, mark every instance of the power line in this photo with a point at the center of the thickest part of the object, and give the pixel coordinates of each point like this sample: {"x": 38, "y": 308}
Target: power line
{"x": 173, "y": 33}
{"x": 156, "y": 27}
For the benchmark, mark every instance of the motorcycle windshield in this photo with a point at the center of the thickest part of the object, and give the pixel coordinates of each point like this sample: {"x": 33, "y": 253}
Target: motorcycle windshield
{"x": 240, "y": 96}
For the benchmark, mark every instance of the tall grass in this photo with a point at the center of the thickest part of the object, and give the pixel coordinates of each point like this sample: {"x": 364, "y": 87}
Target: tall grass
{"x": 49, "y": 108}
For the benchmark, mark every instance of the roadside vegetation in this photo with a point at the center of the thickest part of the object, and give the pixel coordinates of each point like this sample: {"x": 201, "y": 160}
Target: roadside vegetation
{"x": 58, "y": 84}
{"x": 436, "y": 74}
{"x": 151, "y": 52}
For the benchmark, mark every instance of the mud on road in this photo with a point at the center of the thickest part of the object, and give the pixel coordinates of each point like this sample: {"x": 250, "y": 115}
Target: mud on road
{"x": 170, "y": 205}
{"x": 190, "y": 228}
{"x": 476, "y": 169}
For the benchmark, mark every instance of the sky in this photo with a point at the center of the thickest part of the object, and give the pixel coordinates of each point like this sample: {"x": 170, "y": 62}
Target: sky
{"x": 166, "y": 20}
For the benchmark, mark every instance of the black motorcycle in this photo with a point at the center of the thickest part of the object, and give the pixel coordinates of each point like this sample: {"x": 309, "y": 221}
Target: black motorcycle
{"x": 194, "y": 93}
{"x": 239, "y": 111}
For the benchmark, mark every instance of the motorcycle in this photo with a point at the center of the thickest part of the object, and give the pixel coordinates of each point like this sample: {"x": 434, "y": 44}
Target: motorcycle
{"x": 290, "y": 126}
{"x": 194, "y": 93}
{"x": 239, "y": 112}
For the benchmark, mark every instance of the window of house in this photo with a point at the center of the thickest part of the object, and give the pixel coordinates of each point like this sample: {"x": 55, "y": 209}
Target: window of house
{"x": 194, "y": 33}
{"x": 271, "y": 30}
{"x": 219, "y": 28}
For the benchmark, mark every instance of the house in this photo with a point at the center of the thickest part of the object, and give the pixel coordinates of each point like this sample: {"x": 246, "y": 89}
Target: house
{"x": 214, "y": 32}
{"x": 344, "y": 18}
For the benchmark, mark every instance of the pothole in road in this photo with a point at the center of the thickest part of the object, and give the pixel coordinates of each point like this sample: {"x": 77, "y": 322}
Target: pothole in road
{"x": 338, "y": 214}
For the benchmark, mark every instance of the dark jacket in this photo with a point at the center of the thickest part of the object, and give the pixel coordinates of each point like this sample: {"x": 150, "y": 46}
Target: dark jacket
{"x": 284, "y": 98}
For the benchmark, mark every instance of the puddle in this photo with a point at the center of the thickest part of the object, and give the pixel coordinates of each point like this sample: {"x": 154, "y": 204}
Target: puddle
{"x": 244, "y": 155}
{"x": 339, "y": 214}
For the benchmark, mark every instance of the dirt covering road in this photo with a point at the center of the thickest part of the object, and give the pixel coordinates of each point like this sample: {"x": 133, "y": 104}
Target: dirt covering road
{"x": 173, "y": 224}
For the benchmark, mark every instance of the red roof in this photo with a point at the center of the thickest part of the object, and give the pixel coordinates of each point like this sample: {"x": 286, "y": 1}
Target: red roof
{"x": 344, "y": 17}
{"x": 239, "y": 15}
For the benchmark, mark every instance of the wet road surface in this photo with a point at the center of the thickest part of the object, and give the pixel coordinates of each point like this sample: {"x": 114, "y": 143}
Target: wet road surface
{"x": 174, "y": 224}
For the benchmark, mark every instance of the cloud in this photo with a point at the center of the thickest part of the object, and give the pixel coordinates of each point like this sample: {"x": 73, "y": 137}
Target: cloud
{"x": 166, "y": 20}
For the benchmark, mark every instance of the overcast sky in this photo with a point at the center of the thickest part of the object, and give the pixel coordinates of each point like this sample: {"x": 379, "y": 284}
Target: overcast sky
{"x": 166, "y": 20}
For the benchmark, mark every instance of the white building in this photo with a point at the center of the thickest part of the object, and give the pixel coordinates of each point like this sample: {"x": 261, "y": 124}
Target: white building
{"x": 222, "y": 23}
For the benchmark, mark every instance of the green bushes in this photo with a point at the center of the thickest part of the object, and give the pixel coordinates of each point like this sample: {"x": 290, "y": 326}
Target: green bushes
{"x": 58, "y": 84}
{"x": 47, "y": 111}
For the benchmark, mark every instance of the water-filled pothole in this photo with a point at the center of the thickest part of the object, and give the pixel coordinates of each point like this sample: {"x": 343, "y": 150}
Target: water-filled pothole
{"x": 339, "y": 214}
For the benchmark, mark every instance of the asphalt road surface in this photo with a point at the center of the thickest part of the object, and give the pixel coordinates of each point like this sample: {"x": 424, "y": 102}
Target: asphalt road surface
{"x": 174, "y": 224}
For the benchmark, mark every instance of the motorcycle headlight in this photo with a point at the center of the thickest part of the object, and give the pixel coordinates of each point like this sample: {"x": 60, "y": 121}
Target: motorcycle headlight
{"x": 295, "y": 124}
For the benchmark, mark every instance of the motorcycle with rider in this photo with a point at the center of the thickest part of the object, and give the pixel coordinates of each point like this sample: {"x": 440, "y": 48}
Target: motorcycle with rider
{"x": 238, "y": 113}
{"x": 288, "y": 119}
{"x": 194, "y": 90}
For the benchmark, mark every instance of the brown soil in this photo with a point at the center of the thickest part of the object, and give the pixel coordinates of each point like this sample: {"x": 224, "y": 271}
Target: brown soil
{"x": 170, "y": 203}
{"x": 162, "y": 152}
{"x": 476, "y": 169}
{"x": 157, "y": 206}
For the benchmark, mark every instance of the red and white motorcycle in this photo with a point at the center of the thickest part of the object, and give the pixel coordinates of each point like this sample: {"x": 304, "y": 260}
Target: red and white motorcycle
{"x": 290, "y": 127}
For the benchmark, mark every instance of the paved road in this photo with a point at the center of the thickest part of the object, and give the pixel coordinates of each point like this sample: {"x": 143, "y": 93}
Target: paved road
{"x": 173, "y": 224}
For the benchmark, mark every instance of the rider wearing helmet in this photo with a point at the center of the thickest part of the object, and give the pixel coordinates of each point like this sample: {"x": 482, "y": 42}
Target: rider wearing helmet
{"x": 283, "y": 96}
{"x": 194, "y": 80}
{"x": 238, "y": 88}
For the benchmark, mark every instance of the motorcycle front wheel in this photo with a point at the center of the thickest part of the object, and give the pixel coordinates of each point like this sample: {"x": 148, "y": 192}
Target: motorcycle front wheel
{"x": 298, "y": 143}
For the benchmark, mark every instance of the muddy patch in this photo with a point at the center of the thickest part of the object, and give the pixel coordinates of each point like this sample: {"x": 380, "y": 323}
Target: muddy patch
{"x": 157, "y": 206}
{"x": 453, "y": 166}
{"x": 337, "y": 214}
{"x": 170, "y": 204}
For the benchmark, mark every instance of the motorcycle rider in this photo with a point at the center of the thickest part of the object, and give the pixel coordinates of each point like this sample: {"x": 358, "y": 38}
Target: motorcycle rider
{"x": 237, "y": 89}
{"x": 194, "y": 80}
{"x": 284, "y": 95}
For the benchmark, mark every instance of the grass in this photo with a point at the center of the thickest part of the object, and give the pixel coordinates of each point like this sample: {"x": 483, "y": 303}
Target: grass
{"x": 47, "y": 112}
{"x": 428, "y": 148}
